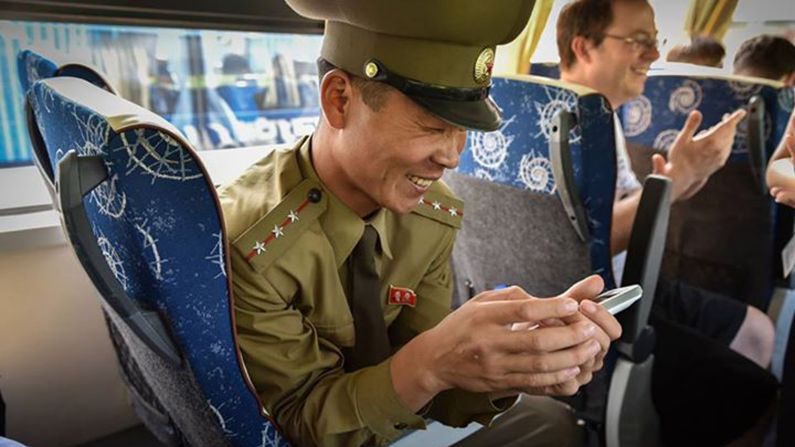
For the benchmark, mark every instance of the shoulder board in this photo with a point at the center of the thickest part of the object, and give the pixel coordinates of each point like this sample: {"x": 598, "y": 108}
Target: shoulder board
{"x": 440, "y": 205}
{"x": 276, "y": 231}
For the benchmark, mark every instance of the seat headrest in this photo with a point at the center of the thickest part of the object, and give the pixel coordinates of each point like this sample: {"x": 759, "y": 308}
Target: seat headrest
{"x": 699, "y": 72}
{"x": 579, "y": 90}
{"x": 118, "y": 112}
{"x": 32, "y": 66}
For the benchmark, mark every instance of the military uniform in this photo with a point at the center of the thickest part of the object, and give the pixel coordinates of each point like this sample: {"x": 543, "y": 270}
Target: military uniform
{"x": 296, "y": 247}
{"x": 290, "y": 237}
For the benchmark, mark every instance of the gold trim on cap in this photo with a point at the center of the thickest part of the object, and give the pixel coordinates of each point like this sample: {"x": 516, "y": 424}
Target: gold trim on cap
{"x": 483, "y": 66}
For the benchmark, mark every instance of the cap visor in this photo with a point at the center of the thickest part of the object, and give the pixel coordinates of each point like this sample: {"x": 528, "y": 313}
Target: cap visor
{"x": 481, "y": 115}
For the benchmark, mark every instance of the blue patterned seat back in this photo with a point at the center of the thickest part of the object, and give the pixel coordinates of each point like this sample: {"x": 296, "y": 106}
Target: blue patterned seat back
{"x": 32, "y": 66}
{"x": 722, "y": 239}
{"x": 517, "y": 155}
{"x": 655, "y": 118}
{"x": 157, "y": 220}
{"x": 546, "y": 69}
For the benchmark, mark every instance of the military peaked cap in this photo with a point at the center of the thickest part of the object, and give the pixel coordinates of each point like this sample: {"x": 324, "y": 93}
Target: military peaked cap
{"x": 437, "y": 52}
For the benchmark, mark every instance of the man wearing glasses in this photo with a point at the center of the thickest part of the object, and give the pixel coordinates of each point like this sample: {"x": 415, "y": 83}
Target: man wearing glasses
{"x": 709, "y": 386}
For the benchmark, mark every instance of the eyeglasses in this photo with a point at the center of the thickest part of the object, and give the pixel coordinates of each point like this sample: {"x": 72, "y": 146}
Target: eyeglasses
{"x": 640, "y": 42}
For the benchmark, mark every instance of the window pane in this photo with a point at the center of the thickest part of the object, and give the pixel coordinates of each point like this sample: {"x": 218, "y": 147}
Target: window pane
{"x": 222, "y": 89}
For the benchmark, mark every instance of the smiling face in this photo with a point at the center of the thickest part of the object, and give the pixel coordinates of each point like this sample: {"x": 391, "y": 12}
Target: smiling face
{"x": 617, "y": 68}
{"x": 390, "y": 156}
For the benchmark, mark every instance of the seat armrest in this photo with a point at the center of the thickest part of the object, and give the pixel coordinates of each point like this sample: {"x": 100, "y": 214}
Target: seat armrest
{"x": 644, "y": 257}
{"x": 757, "y": 155}
{"x": 563, "y": 171}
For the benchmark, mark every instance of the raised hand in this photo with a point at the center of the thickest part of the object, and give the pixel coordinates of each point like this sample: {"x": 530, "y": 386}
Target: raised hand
{"x": 694, "y": 157}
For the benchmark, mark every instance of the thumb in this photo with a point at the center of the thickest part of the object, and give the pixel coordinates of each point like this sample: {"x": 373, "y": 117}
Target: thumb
{"x": 585, "y": 289}
{"x": 658, "y": 164}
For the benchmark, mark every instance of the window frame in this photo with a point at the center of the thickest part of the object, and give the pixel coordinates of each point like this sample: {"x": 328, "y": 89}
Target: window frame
{"x": 27, "y": 217}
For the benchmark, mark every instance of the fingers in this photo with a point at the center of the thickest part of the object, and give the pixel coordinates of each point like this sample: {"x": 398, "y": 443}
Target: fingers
{"x": 521, "y": 381}
{"x": 567, "y": 388}
{"x": 735, "y": 117}
{"x": 546, "y": 339}
{"x": 507, "y": 293}
{"x": 690, "y": 127}
{"x": 586, "y": 288}
{"x": 599, "y": 315}
{"x": 575, "y": 356}
{"x": 658, "y": 164}
{"x": 510, "y": 311}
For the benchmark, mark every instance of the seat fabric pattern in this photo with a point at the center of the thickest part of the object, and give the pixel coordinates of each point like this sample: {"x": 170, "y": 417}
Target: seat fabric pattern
{"x": 27, "y": 64}
{"x": 517, "y": 154}
{"x": 655, "y": 118}
{"x": 731, "y": 206}
{"x": 32, "y": 66}
{"x": 157, "y": 221}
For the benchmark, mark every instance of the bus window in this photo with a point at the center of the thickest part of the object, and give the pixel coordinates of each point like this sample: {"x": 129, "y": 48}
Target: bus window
{"x": 222, "y": 89}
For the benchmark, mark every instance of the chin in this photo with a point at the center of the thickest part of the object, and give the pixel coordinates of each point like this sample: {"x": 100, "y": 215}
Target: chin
{"x": 402, "y": 206}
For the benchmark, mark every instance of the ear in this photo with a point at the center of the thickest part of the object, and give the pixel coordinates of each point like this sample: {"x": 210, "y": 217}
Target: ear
{"x": 581, "y": 47}
{"x": 335, "y": 97}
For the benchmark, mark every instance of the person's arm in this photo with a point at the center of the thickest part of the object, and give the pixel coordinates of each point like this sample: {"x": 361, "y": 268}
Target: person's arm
{"x": 624, "y": 211}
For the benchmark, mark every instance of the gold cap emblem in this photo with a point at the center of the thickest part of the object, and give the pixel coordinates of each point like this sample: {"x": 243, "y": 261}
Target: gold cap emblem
{"x": 483, "y": 66}
{"x": 371, "y": 69}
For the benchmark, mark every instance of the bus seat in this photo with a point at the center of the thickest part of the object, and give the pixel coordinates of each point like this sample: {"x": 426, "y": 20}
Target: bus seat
{"x": 725, "y": 238}
{"x": 539, "y": 197}
{"x": 519, "y": 156}
{"x": 32, "y": 67}
{"x": 546, "y": 69}
{"x": 143, "y": 218}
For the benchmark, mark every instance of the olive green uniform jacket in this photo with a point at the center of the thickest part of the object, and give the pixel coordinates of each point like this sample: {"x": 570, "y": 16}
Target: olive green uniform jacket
{"x": 290, "y": 239}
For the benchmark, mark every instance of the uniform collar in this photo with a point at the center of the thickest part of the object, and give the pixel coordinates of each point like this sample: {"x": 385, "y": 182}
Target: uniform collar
{"x": 342, "y": 226}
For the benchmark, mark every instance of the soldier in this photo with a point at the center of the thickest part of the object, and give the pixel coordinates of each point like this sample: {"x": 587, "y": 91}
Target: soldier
{"x": 341, "y": 248}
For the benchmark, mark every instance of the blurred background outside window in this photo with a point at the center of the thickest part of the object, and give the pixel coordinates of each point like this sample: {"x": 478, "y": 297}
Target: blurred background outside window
{"x": 221, "y": 89}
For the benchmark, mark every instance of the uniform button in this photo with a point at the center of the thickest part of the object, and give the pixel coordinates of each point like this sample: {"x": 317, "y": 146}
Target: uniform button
{"x": 401, "y": 426}
{"x": 314, "y": 195}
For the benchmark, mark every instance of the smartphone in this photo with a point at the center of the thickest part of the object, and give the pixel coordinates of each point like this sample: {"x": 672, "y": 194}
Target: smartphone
{"x": 616, "y": 300}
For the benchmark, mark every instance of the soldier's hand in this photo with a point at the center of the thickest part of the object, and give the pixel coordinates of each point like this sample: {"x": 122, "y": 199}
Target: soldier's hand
{"x": 608, "y": 329}
{"x": 478, "y": 348}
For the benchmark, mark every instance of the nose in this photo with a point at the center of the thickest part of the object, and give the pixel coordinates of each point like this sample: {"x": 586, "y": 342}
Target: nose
{"x": 652, "y": 53}
{"x": 449, "y": 152}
